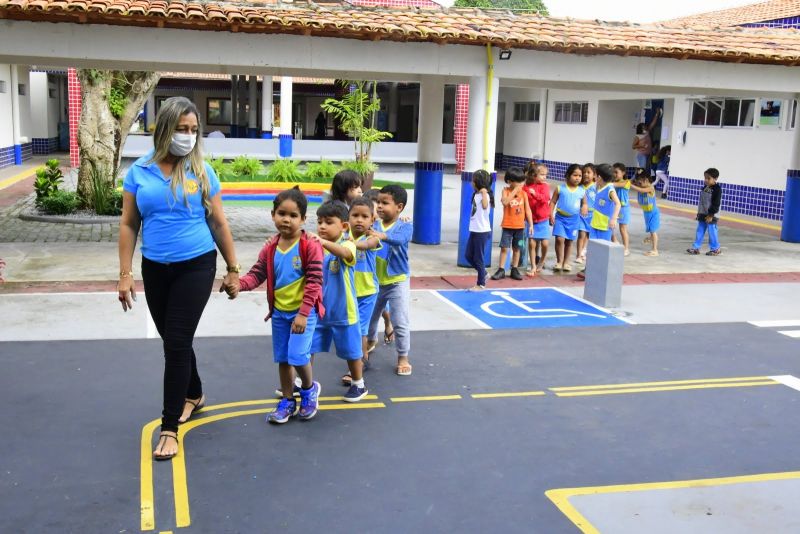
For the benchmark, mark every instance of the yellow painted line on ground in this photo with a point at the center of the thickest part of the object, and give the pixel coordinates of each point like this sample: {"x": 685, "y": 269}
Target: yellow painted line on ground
{"x": 662, "y": 383}
{"x": 259, "y": 402}
{"x": 665, "y": 388}
{"x": 147, "y": 507}
{"x": 506, "y": 395}
{"x": 181, "y": 488}
{"x": 560, "y": 497}
{"x": 17, "y": 178}
{"x": 726, "y": 217}
{"x": 429, "y": 398}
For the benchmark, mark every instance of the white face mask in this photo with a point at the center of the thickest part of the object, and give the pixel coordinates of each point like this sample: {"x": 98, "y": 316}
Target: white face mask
{"x": 182, "y": 144}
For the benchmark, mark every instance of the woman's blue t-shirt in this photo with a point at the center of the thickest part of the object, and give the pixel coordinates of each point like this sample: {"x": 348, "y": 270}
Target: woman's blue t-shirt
{"x": 171, "y": 230}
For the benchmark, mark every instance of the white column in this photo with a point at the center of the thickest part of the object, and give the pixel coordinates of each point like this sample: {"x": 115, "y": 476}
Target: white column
{"x": 266, "y": 105}
{"x": 252, "y": 100}
{"x": 286, "y": 105}
{"x": 431, "y": 110}
{"x": 15, "y": 115}
{"x": 392, "y": 107}
{"x": 480, "y": 138}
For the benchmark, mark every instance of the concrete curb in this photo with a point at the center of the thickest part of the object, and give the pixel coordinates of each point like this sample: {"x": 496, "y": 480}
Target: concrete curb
{"x": 67, "y": 219}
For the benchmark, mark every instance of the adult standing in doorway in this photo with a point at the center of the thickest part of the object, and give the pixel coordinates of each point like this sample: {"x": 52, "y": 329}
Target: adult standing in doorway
{"x": 174, "y": 196}
{"x": 643, "y": 142}
{"x": 320, "y": 126}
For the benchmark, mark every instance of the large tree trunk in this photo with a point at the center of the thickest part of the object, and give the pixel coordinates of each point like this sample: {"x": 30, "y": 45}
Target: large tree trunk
{"x": 101, "y": 134}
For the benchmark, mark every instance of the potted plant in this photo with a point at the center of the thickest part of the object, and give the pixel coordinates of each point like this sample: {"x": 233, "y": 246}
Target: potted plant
{"x": 357, "y": 113}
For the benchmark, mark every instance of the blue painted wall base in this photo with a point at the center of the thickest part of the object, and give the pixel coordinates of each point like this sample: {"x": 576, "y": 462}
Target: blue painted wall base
{"x": 428, "y": 202}
{"x": 463, "y": 221}
{"x": 17, "y": 154}
{"x": 252, "y": 133}
{"x": 790, "y": 228}
{"x": 266, "y": 135}
{"x": 234, "y": 131}
{"x": 285, "y": 145}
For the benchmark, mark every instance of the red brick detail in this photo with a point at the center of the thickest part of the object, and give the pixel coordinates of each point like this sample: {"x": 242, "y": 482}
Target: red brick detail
{"x": 74, "y": 114}
{"x": 460, "y": 130}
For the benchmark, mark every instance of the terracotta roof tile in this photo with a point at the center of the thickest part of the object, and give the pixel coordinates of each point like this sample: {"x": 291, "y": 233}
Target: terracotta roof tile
{"x": 421, "y": 24}
{"x": 760, "y": 12}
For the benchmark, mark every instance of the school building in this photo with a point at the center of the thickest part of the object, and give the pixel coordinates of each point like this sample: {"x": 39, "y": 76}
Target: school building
{"x": 459, "y": 87}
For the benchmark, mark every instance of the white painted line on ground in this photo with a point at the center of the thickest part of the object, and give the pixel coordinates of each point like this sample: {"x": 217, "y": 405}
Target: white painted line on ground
{"x": 461, "y": 310}
{"x": 788, "y": 380}
{"x": 592, "y": 304}
{"x": 775, "y": 324}
{"x": 790, "y": 333}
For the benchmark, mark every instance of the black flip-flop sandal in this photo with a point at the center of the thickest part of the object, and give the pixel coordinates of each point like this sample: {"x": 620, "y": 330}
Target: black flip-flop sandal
{"x": 347, "y": 380}
{"x": 196, "y": 406}
{"x": 170, "y": 456}
{"x": 388, "y": 337}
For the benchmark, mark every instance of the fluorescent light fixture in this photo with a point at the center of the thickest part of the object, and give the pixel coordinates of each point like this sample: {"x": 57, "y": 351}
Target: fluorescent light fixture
{"x": 505, "y": 54}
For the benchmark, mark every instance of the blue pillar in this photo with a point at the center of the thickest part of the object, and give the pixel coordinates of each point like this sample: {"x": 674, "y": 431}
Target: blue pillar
{"x": 790, "y": 229}
{"x": 266, "y": 135}
{"x": 463, "y": 221}
{"x": 17, "y": 154}
{"x": 285, "y": 145}
{"x": 427, "y": 202}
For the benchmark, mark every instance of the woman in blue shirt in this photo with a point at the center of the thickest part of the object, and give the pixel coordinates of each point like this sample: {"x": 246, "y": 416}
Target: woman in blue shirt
{"x": 174, "y": 196}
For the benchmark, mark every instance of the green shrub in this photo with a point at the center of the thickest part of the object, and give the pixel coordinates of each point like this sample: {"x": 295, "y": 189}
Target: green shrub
{"x": 47, "y": 180}
{"x": 220, "y": 167}
{"x": 101, "y": 196}
{"x": 360, "y": 166}
{"x": 324, "y": 170}
{"x": 284, "y": 170}
{"x": 244, "y": 166}
{"x": 60, "y": 203}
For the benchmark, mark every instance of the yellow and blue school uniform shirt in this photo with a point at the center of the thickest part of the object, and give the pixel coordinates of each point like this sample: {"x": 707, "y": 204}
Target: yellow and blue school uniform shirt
{"x": 290, "y": 278}
{"x": 174, "y": 227}
{"x": 603, "y": 208}
{"x": 652, "y": 216}
{"x": 624, "y": 201}
{"x": 339, "y": 287}
{"x": 365, "y": 270}
{"x": 391, "y": 260}
{"x": 591, "y": 194}
{"x": 569, "y": 200}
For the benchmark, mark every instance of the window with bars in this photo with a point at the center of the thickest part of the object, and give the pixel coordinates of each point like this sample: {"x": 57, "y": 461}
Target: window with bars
{"x": 571, "y": 112}
{"x": 723, "y": 112}
{"x": 526, "y": 111}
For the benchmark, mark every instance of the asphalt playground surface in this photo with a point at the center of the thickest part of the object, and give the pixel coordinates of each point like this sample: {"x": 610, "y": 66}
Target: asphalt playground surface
{"x": 424, "y": 455}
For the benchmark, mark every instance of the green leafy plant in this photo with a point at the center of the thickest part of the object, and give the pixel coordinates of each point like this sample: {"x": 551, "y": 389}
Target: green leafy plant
{"x": 47, "y": 180}
{"x": 117, "y": 100}
{"x": 60, "y": 203}
{"x": 244, "y": 166}
{"x": 284, "y": 170}
{"x": 360, "y": 166}
{"x": 322, "y": 170}
{"x": 102, "y": 192}
{"x": 218, "y": 164}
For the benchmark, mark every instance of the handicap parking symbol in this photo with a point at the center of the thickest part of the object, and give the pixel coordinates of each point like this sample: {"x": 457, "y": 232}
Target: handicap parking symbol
{"x": 542, "y": 307}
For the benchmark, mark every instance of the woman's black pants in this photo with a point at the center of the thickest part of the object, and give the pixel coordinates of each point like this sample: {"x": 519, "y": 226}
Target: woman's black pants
{"x": 176, "y": 295}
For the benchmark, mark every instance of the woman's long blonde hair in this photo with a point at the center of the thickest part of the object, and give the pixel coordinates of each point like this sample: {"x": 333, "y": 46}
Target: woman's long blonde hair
{"x": 169, "y": 115}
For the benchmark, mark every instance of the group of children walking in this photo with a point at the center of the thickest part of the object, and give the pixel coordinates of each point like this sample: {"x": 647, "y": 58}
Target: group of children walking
{"x": 333, "y": 287}
{"x": 593, "y": 201}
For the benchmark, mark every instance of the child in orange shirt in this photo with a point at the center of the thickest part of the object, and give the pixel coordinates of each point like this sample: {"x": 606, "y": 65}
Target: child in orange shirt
{"x": 515, "y": 212}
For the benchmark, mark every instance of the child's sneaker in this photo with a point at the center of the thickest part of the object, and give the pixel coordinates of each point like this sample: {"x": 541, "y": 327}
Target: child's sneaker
{"x": 692, "y": 251}
{"x": 515, "y": 274}
{"x": 499, "y": 274}
{"x": 355, "y": 393}
{"x": 286, "y": 409}
{"x": 309, "y": 400}
{"x": 717, "y": 252}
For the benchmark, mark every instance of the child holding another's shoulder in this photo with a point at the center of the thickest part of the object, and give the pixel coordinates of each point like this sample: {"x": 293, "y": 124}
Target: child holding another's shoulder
{"x": 647, "y": 201}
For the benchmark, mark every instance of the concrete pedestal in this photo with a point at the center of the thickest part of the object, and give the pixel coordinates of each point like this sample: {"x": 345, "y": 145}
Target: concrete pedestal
{"x": 604, "y": 270}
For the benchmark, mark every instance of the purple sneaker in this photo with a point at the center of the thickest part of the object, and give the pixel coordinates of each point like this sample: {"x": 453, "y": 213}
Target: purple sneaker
{"x": 286, "y": 409}
{"x": 309, "y": 399}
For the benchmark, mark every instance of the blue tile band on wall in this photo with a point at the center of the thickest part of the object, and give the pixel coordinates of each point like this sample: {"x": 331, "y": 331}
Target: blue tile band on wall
{"x": 464, "y": 215}
{"x": 285, "y": 145}
{"x": 790, "y": 229}
{"x": 44, "y": 146}
{"x": 428, "y": 178}
{"x": 234, "y": 131}
{"x": 6, "y": 156}
{"x": 266, "y": 135}
{"x": 252, "y": 133}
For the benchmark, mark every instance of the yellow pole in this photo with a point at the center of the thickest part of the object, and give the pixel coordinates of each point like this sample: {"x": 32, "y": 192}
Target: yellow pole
{"x": 489, "y": 78}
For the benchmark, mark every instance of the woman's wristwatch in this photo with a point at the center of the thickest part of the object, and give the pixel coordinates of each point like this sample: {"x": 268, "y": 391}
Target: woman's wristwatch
{"x": 234, "y": 268}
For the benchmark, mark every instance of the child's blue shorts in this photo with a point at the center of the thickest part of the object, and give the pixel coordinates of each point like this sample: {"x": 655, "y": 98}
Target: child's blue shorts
{"x": 541, "y": 230}
{"x": 652, "y": 221}
{"x": 604, "y": 235}
{"x": 567, "y": 227}
{"x": 294, "y": 349}
{"x": 347, "y": 339}
{"x": 586, "y": 223}
{"x": 624, "y": 214}
{"x": 365, "y": 306}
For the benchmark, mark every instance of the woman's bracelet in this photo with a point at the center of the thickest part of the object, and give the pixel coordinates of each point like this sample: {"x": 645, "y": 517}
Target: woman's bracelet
{"x": 125, "y": 274}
